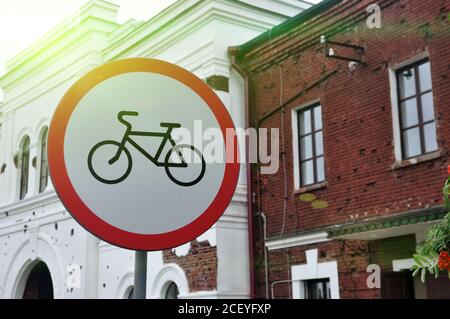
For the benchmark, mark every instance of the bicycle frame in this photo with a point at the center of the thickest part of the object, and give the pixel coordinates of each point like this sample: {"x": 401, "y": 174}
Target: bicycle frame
{"x": 166, "y": 137}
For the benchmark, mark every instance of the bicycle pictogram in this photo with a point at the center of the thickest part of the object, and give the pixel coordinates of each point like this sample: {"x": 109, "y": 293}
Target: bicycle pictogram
{"x": 174, "y": 159}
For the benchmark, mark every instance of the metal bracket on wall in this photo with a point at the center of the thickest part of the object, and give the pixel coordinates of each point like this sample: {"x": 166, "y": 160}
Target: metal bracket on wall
{"x": 330, "y": 53}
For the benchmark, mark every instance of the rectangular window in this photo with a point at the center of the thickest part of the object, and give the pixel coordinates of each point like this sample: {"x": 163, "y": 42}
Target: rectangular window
{"x": 310, "y": 141}
{"x": 416, "y": 110}
{"x": 317, "y": 289}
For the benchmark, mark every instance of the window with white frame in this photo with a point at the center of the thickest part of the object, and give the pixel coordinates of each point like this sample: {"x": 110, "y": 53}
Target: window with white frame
{"x": 315, "y": 280}
{"x": 310, "y": 145}
{"x": 416, "y": 114}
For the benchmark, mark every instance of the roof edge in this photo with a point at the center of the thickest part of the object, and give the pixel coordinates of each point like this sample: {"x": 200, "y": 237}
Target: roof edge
{"x": 287, "y": 25}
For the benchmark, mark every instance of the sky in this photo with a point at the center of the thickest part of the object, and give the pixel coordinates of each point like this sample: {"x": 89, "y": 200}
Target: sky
{"x": 22, "y": 22}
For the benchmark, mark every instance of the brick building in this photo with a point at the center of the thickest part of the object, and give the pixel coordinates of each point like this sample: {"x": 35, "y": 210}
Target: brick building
{"x": 44, "y": 252}
{"x": 363, "y": 151}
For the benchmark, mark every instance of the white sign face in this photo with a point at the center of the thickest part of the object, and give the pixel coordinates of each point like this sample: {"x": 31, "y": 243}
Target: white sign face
{"x": 127, "y": 156}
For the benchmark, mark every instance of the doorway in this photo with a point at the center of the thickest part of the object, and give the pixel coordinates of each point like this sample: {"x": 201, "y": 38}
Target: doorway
{"x": 39, "y": 284}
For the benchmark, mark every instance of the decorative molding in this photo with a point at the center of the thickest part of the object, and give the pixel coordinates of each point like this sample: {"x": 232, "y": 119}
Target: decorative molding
{"x": 47, "y": 197}
{"x": 169, "y": 273}
{"x": 385, "y": 222}
{"x": 298, "y": 240}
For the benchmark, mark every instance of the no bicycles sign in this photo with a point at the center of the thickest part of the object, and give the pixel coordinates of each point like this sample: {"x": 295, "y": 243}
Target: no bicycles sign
{"x": 120, "y": 164}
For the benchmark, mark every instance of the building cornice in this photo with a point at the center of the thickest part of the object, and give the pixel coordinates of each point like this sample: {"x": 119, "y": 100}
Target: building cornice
{"x": 423, "y": 215}
{"x": 297, "y": 240}
{"x": 28, "y": 203}
{"x": 168, "y": 27}
{"x": 102, "y": 10}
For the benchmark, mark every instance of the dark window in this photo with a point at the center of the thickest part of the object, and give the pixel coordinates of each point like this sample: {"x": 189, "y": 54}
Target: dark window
{"x": 39, "y": 284}
{"x": 310, "y": 138}
{"x": 130, "y": 294}
{"x": 172, "y": 291}
{"x": 317, "y": 289}
{"x": 25, "y": 166}
{"x": 416, "y": 109}
{"x": 43, "y": 178}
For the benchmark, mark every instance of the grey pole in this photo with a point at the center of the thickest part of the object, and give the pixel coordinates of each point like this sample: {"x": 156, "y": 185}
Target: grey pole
{"x": 140, "y": 275}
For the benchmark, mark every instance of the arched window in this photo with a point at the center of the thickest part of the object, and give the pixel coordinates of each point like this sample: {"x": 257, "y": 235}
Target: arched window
{"x": 172, "y": 291}
{"x": 25, "y": 167}
{"x": 130, "y": 293}
{"x": 43, "y": 172}
{"x": 39, "y": 283}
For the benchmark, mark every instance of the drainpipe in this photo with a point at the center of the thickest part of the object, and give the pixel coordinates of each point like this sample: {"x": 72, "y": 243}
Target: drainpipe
{"x": 232, "y": 51}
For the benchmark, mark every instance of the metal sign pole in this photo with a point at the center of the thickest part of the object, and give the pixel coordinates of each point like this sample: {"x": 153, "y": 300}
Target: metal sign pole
{"x": 140, "y": 275}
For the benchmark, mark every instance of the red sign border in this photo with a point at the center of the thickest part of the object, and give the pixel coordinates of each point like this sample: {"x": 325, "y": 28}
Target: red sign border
{"x": 79, "y": 210}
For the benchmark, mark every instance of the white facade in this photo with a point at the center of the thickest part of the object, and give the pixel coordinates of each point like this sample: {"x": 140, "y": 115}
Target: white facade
{"x": 194, "y": 34}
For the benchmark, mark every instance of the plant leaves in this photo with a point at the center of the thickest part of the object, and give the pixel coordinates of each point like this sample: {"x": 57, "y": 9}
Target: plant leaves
{"x": 417, "y": 260}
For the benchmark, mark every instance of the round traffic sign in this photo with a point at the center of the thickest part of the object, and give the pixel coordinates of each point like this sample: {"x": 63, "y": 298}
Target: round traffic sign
{"x": 130, "y": 158}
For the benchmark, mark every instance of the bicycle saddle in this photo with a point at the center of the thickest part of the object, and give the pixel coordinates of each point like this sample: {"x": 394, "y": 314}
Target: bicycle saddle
{"x": 170, "y": 125}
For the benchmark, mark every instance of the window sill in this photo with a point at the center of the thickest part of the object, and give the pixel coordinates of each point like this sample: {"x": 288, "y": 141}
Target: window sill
{"x": 417, "y": 160}
{"x": 311, "y": 188}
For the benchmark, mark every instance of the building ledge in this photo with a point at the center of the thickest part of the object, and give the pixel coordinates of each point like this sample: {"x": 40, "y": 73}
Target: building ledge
{"x": 297, "y": 240}
{"x": 417, "y": 160}
{"x": 387, "y": 226}
{"x": 311, "y": 188}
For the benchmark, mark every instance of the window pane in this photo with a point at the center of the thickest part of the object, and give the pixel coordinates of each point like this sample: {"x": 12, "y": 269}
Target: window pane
{"x": 307, "y": 173}
{"x": 411, "y": 140}
{"x": 320, "y": 169}
{"x": 318, "y": 118}
{"x": 305, "y": 122}
{"x": 328, "y": 289}
{"x": 409, "y": 113}
{"x": 407, "y": 83}
{"x": 319, "y": 143}
{"x": 306, "y": 147}
{"x": 24, "y": 168}
{"x": 425, "y": 77}
{"x": 430, "y": 137}
{"x": 172, "y": 291}
{"x": 427, "y": 107}
{"x": 317, "y": 289}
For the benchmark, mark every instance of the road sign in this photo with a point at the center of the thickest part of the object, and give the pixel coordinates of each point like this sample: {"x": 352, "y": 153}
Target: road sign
{"x": 120, "y": 162}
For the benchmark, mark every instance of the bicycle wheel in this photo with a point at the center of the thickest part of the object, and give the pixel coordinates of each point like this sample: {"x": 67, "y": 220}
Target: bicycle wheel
{"x": 190, "y": 174}
{"x": 106, "y": 172}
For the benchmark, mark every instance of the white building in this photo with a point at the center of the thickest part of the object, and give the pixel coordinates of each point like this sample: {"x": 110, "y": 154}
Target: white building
{"x": 42, "y": 249}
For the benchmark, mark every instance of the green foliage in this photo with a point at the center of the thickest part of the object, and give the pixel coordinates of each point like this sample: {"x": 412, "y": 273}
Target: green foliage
{"x": 437, "y": 240}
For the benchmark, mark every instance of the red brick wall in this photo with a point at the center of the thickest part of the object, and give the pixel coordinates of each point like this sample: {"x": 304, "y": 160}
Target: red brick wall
{"x": 199, "y": 265}
{"x": 356, "y": 110}
{"x": 352, "y": 258}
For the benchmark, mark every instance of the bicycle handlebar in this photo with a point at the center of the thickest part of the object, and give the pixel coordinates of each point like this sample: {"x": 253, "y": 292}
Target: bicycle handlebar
{"x": 127, "y": 113}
